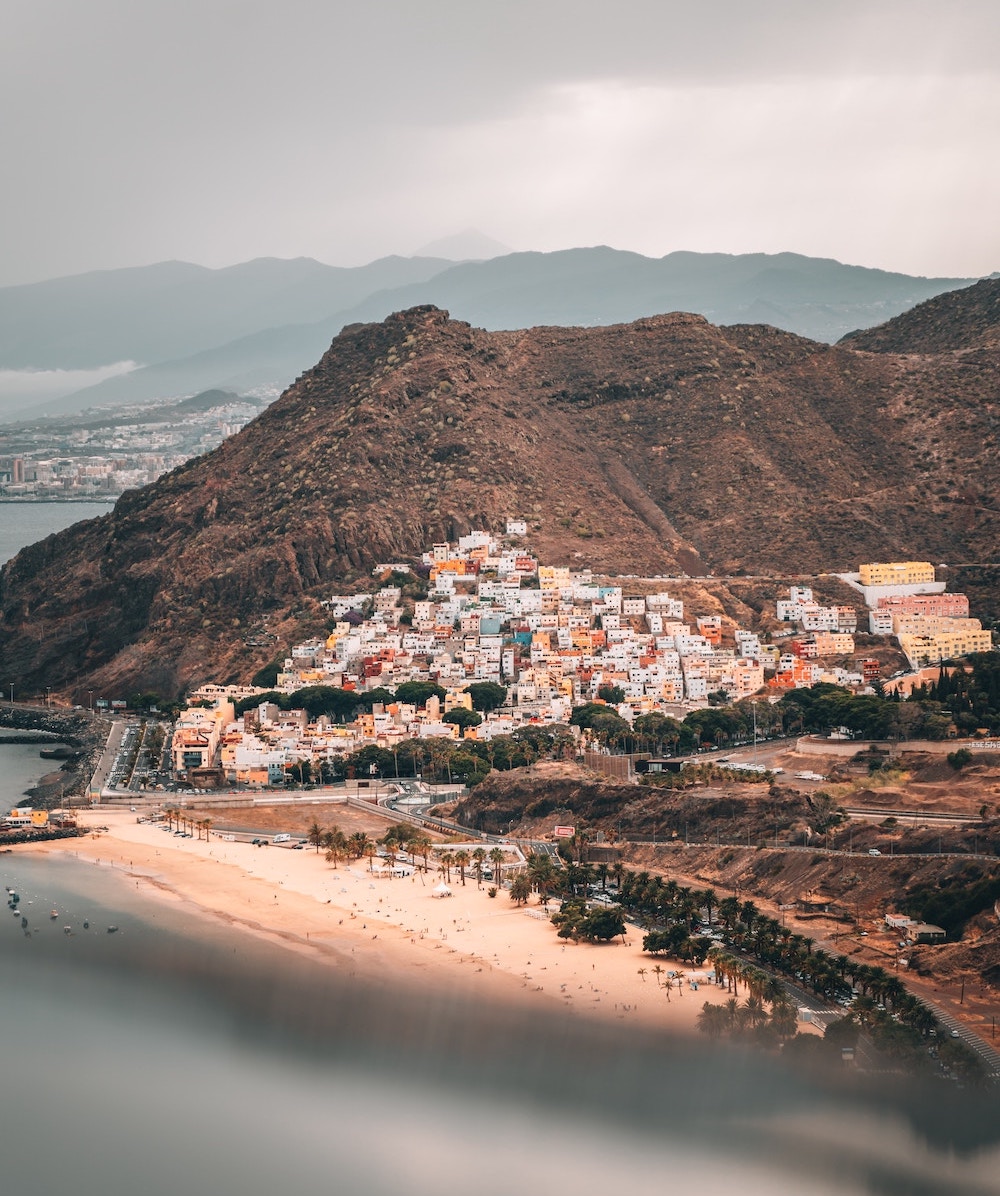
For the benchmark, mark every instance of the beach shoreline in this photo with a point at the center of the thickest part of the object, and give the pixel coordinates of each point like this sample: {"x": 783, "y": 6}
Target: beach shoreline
{"x": 388, "y": 931}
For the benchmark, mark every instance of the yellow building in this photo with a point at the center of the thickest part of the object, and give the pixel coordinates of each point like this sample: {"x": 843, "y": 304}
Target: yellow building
{"x": 552, "y": 577}
{"x": 929, "y": 649}
{"x": 897, "y": 573}
{"x": 963, "y": 643}
{"x": 457, "y": 699}
{"x": 24, "y": 816}
{"x": 904, "y": 624}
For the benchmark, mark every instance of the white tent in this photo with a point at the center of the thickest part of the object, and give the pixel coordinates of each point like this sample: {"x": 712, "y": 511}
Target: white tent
{"x": 441, "y": 891}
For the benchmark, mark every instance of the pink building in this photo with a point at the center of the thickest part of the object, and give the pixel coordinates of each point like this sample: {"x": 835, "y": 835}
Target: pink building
{"x": 951, "y": 606}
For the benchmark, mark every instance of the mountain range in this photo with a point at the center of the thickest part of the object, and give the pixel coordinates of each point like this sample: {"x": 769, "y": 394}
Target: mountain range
{"x": 667, "y": 445}
{"x": 258, "y": 325}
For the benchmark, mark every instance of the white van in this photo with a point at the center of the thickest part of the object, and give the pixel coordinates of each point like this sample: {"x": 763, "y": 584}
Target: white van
{"x": 282, "y": 839}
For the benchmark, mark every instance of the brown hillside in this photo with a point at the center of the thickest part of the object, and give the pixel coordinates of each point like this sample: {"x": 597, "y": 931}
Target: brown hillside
{"x": 964, "y": 319}
{"x": 663, "y": 446}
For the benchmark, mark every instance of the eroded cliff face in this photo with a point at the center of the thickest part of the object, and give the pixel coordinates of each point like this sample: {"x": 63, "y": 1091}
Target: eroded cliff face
{"x": 663, "y": 446}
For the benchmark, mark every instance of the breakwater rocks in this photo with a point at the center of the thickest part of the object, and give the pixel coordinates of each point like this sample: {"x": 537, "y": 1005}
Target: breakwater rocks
{"x": 13, "y": 838}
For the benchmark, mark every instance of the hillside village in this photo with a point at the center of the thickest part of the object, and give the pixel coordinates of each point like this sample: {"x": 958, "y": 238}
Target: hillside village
{"x": 541, "y": 640}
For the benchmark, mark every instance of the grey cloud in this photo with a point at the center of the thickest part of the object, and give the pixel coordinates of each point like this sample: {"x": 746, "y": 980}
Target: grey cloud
{"x": 224, "y": 129}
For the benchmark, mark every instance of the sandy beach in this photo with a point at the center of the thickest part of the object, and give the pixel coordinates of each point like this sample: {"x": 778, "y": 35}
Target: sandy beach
{"x": 386, "y": 929}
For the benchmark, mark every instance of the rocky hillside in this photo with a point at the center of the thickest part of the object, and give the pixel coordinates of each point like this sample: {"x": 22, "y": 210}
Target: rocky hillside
{"x": 663, "y": 446}
{"x": 955, "y": 320}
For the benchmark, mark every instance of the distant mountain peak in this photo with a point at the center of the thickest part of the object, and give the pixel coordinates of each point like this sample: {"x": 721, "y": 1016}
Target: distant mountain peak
{"x": 468, "y": 245}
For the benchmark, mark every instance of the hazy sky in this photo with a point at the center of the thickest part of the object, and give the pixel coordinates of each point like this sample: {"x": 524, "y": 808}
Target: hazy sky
{"x": 220, "y": 130}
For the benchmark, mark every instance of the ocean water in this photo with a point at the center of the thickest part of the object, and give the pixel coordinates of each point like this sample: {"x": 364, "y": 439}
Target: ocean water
{"x": 177, "y": 1055}
{"x": 20, "y": 768}
{"x": 23, "y": 523}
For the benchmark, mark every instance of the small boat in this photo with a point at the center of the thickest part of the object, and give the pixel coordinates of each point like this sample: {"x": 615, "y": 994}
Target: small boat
{"x": 112, "y": 930}
{"x": 67, "y": 930}
{"x": 24, "y": 923}
{"x": 53, "y": 914}
{"x": 86, "y": 926}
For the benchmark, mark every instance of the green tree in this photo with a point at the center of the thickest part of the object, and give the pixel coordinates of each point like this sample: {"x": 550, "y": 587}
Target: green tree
{"x": 496, "y": 859}
{"x": 487, "y": 695}
{"x": 713, "y": 1020}
{"x": 520, "y": 889}
{"x": 335, "y": 842}
{"x": 335, "y": 703}
{"x": 268, "y": 675}
{"x": 460, "y": 717}
{"x": 462, "y": 859}
{"x": 417, "y": 693}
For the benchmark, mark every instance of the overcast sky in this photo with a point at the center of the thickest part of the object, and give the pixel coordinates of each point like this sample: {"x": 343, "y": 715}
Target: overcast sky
{"x": 219, "y": 130}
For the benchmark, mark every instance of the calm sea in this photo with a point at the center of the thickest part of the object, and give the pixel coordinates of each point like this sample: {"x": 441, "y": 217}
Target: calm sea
{"x": 173, "y": 1055}
{"x": 23, "y": 523}
{"x": 20, "y": 767}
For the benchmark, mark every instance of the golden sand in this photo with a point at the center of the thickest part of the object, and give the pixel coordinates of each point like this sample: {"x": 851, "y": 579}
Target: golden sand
{"x": 386, "y": 929}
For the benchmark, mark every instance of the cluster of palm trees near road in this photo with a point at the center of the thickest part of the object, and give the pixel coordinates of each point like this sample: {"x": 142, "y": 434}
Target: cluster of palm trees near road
{"x": 759, "y": 948}
{"x": 477, "y": 860}
{"x": 178, "y": 819}
{"x": 402, "y": 840}
{"x": 339, "y": 846}
{"x": 750, "y": 1017}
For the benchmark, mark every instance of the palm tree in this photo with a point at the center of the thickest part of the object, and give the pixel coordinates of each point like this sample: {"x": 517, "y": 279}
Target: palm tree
{"x": 371, "y": 850}
{"x": 657, "y": 972}
{"x": 713, "y": 1020}
{"x": 357, "y": 844}
{"x": 520, "y": 889}
{"x": 315, "y": 835}
{"x": 496, "y": 859}
{"x": 462, "y": 859}
{"x": 729, "y": 912}
{"x": 784, "y": 1018}
{"x": 447, "y": 859}
{"x": 335, "y": 842}
{"x": 756, "y": 1014}
{"x": 542, "y": 873}
{"x": 478, "y": 858}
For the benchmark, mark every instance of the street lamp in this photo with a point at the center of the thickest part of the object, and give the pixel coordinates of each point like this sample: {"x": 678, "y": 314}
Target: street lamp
{"x": 12, "y": 693}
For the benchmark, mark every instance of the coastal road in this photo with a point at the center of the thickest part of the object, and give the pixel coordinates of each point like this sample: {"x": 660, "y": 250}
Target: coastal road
{"x": 107, "y": 761}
